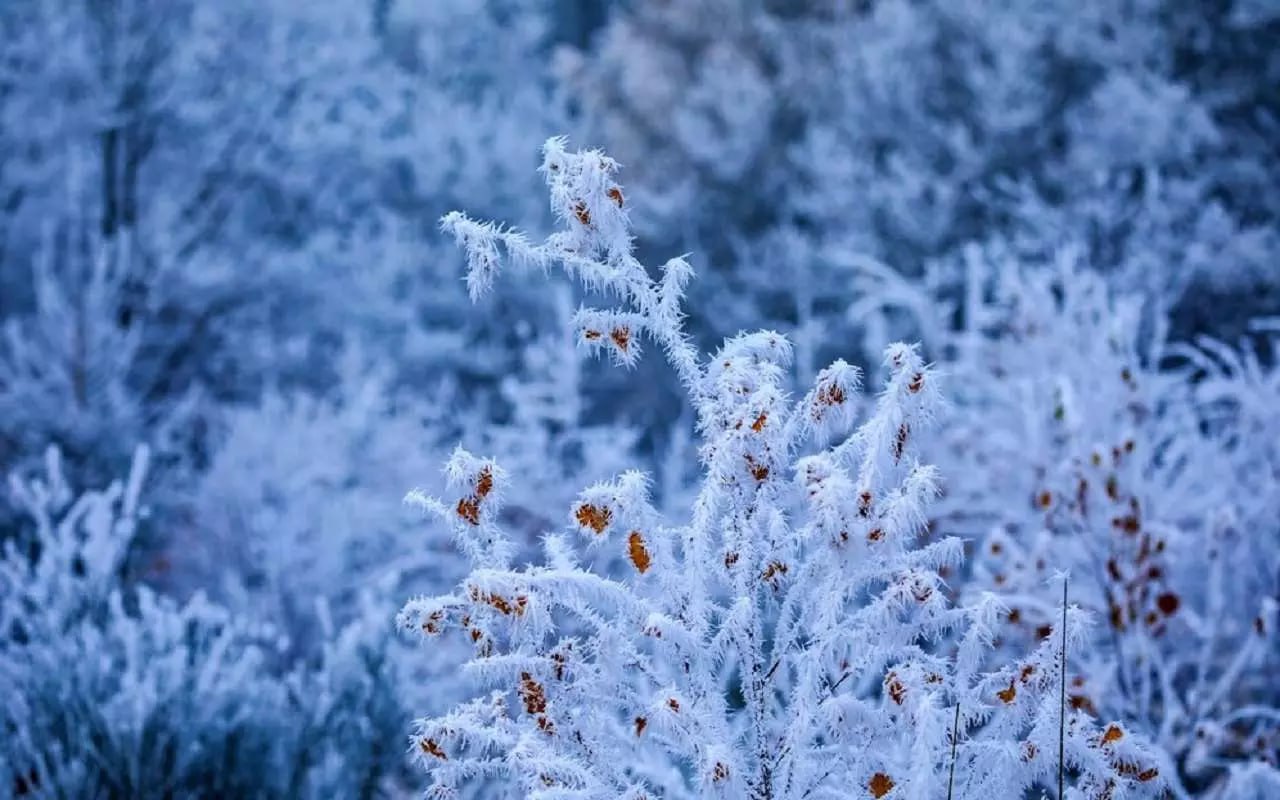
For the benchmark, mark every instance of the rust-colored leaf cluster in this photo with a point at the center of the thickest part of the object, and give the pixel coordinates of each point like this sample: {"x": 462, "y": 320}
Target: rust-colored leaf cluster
{"x": 432, "y": 748}
{"x": 561, "y": 660}
{"x": 880, "y": 785}
{"x": 894, "y": 687}
{"x": 773, "y": 571}
{"x": 469, "y": 507}
{"x": 831, "y": 395}
{"x": 597, "y": 518}
{"x": 828, "y": 394}
{"x": 501, "y": 604}
{"x": 533, "y": 695}
{"x": 900, "y": 441}
{"x": 758, "y": 471}
{"x": 1138, "y": 772}
{"x": 621, "y": 337}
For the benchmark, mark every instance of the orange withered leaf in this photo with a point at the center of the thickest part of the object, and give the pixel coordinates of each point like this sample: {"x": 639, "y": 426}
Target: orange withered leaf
{"x": 880, "y": 785}
{"x": 621, "y": 337}
{"x": 484, "y": 483}
{"x": 638, "y": 553}
{"x": 615, "y": 194}
{"x": 1112, "y": 734}
{"x": 580, "y": 211}
{"x": 469, "y": 510}
{"x": 758, "y": 425}
{"x": 1007, "y": 695}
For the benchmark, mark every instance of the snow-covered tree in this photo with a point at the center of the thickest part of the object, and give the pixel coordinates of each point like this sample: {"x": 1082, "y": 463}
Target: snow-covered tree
{"x": 774, "y": 139}
{"x": 782, "y": 643}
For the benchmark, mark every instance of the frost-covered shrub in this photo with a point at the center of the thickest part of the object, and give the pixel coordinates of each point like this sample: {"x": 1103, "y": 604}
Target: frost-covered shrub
{"x": 113, "y": 691}
{"x": 784, "y": 641}
{"x": 256, "y": 208}
{"x": 1096, "y": 454}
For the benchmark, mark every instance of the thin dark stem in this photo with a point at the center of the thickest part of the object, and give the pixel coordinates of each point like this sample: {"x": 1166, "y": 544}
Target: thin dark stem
{"x": 955, "y": 739}
{"x": 1062, "y": 702}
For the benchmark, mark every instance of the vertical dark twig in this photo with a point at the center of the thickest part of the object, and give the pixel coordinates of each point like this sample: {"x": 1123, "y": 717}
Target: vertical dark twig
{"x": 1062, "y": 700}
{"x": 955, "y": 738}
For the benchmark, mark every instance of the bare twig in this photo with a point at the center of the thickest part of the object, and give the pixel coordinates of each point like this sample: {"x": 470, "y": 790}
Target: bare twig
{"x": 955, "y": 738}
{"x": 1062, "y": 702}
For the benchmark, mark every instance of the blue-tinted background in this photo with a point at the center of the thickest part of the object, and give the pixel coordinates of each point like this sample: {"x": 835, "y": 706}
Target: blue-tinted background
{"x": 221, "y": 276}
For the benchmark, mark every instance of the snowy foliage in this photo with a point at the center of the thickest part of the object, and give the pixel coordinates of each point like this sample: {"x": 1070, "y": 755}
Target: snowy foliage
{"x": 771, "y": 138}
{"x": 1087, "y": 451}
{"x": 786, "y": 642}
{"x": 119, "y": 692}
